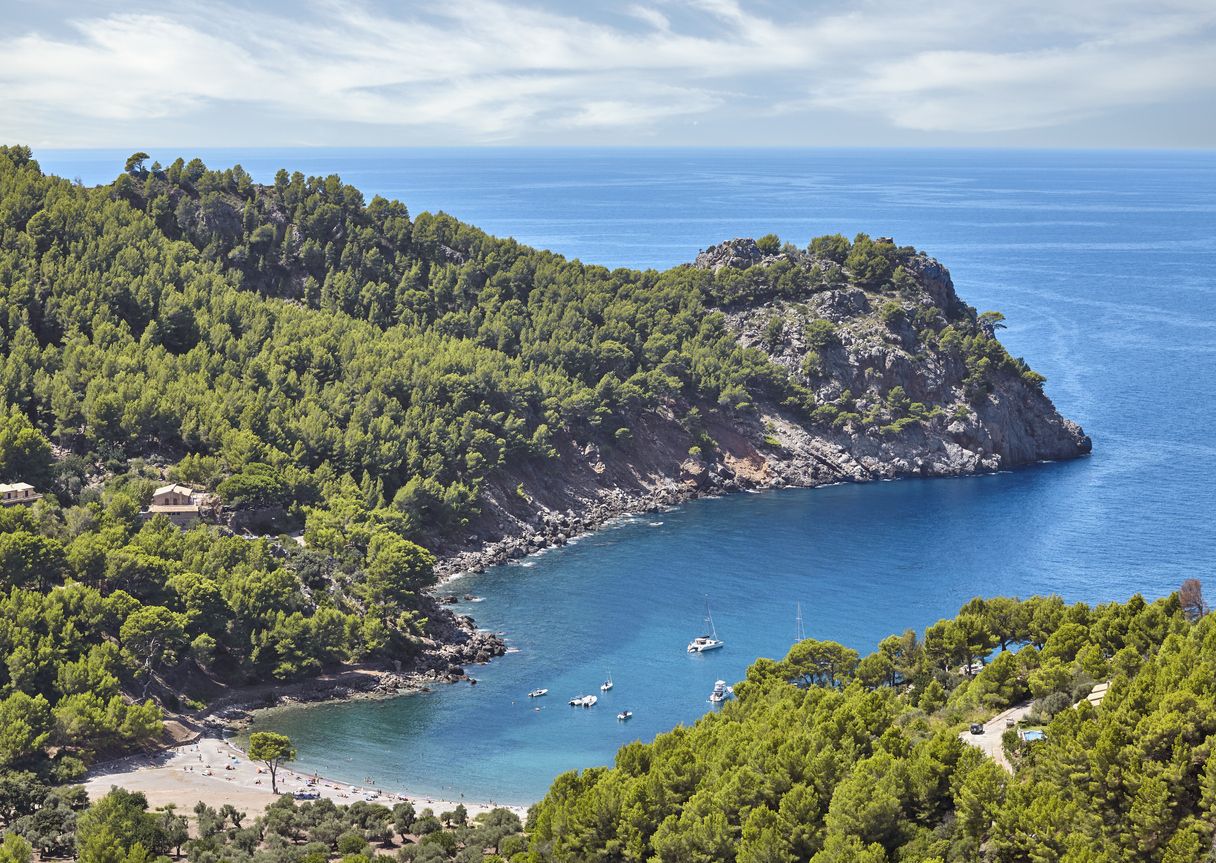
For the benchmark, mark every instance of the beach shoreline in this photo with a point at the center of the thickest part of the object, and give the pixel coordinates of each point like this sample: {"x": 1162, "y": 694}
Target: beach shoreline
{"x": 216, "y": 771}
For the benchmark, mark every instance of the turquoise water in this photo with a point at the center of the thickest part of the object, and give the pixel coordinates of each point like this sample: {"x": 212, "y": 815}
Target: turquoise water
{"x": 1103, "y": 263}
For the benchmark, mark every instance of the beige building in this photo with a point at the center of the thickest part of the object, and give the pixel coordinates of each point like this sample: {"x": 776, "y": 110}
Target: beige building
{"x": 175, "y": 502}
{"x": 17, "y": 494}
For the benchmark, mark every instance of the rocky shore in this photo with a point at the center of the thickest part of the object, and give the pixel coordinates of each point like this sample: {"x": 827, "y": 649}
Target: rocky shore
{"x": 554, "y": 529}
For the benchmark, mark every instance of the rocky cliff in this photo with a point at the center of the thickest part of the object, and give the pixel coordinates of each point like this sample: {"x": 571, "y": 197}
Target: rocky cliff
{"x": 895, "y": 376}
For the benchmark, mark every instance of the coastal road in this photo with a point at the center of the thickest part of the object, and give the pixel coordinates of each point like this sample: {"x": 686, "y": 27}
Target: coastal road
{"x": 990, "y": 741}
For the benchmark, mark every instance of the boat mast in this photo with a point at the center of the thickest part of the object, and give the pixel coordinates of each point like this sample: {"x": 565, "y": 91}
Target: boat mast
{"x": 709, "y": 619}
{"x": 799, "y": 632}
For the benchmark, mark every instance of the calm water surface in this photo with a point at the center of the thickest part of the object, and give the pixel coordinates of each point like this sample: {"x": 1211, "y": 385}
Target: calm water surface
{"x": 1103, "y": 263}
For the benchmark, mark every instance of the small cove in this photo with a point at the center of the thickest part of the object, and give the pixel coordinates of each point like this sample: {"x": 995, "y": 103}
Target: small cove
{"x": 1102, "y": 262}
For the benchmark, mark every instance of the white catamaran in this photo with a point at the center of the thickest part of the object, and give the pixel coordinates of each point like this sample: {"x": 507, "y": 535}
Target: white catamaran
{"x": 702, "y": 643}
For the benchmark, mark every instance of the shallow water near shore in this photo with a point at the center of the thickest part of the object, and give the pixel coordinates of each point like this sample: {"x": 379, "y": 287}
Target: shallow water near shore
{"x": 1103, "y": 263}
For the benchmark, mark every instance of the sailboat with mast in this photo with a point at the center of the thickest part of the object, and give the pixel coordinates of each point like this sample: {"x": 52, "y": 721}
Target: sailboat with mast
{"x": 799, "y": 631}
{"x": 702, "y": 643}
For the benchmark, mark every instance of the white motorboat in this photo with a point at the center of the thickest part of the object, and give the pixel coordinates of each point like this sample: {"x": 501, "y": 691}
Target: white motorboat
{"x": 721, "y": 692}
{"x": 583, "y": 701}
{"x": 607, "y": 684}
{"x": 702, "y": 643}
{"x": 537, "y": 693}
{"x": 625, "y": 714}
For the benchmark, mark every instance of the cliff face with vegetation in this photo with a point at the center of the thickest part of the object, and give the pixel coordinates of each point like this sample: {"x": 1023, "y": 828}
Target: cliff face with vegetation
{"x": 884, "y": 373}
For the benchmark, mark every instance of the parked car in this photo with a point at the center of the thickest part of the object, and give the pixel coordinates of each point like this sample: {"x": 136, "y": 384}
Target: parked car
{"x": 977, "y": 728}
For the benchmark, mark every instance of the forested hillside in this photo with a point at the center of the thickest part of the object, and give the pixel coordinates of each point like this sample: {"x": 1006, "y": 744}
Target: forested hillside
{"x": 389, "y": 385}
{"x": 271, "y": 341}
{"x": 105, "y": 618}
{"x": 828, "y": 757}
{"x": 415, "y": 357}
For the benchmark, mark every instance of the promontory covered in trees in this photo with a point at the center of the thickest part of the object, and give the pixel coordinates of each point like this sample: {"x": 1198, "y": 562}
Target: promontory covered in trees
{"x": 398, "y": 388}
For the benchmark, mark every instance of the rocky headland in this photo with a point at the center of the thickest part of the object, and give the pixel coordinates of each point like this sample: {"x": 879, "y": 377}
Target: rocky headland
{"x": 901, "y": 379}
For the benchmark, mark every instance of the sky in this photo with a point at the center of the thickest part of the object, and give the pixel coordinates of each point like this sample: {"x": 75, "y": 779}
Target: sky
{"x": 984, "y": 73}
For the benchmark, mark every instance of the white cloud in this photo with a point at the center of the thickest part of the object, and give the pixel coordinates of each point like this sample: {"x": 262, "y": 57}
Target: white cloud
{"x": 508, "y": 70}
{"x": 1132, "y": 62}
{"x": 651, "y": 16}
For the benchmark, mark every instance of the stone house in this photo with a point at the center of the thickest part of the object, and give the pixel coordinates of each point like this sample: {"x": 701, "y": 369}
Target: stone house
{"x": 176, "y": 502}
{"x": 18, "y": 494}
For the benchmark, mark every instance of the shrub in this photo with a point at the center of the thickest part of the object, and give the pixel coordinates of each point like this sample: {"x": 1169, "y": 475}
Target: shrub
{"x": 833, "y": 247}
{"x": 774, "y": 329}
{"x": 1012, "y": 743}
{"x": 898, "y": 426}
{"x": 933, "y": 697}
{"x": 1050, "y": 705}
{"x": 769, "y": 244}
{"x": 825, "y": 414}
{"x": 256, "y": 485}
{"x": 351, "y": 842}
{"x": 442, "y": 838}
{"x": 893, "y": 314}
{"x": 426, "y": 824}
{"x": 819, "y": 334}
{"x": 871, "y": 263}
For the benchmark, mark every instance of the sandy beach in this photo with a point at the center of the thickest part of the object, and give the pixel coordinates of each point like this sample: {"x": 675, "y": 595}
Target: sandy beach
{"x": 217, "y": 772}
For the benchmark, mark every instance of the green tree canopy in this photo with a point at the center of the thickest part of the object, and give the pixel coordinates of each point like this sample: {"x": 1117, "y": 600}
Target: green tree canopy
{"x": 273, "y": 750}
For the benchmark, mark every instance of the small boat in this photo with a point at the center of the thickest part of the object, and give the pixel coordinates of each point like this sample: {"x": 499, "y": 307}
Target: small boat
{"x": 583, "y": 701}
{"x": 625, "y": 714}
{"x": 607, "y": 684}
{"x": 702, "y": 643}
{"x": 721, "y": 692}
{"x": 537, "y": 693}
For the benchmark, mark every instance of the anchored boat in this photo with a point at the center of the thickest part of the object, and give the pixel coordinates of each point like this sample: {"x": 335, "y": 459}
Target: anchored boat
{"x": 721, "y": 692}
{"x": 702, "y": 643}
{"x": 583, "y": 701}
{"x": 537, "y": 693}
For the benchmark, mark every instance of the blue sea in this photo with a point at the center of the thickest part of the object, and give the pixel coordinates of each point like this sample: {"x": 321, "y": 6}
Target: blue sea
{"x": 1103, "y": 263}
